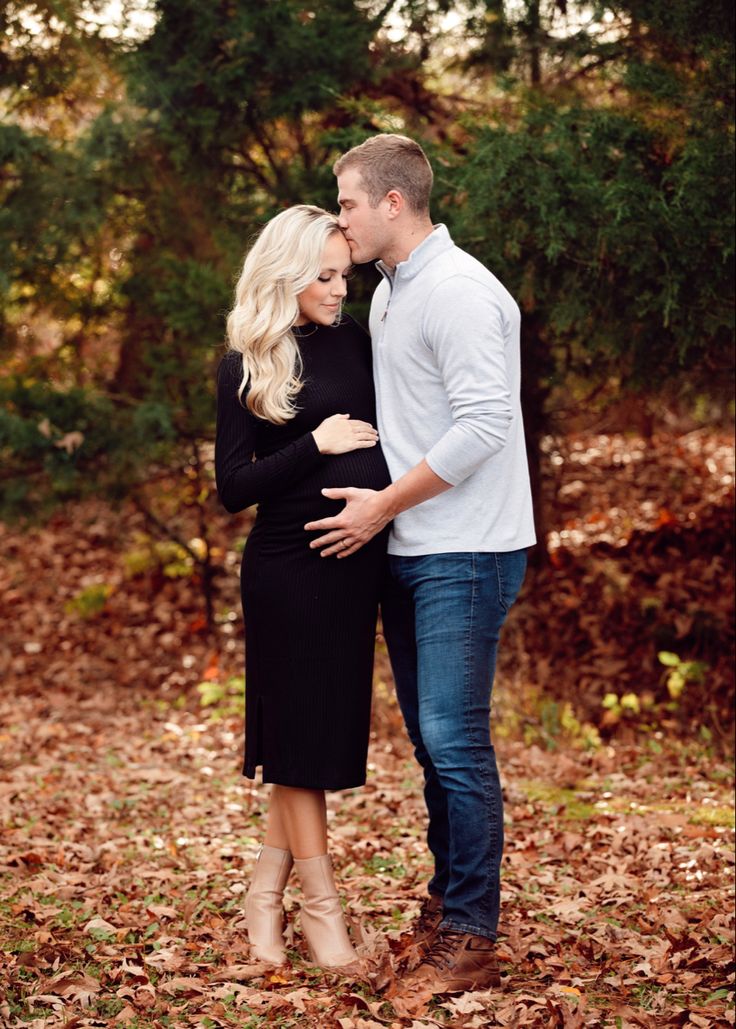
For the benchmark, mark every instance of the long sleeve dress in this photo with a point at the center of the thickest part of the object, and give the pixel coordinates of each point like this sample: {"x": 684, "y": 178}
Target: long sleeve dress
{"x": 310, "y": 621}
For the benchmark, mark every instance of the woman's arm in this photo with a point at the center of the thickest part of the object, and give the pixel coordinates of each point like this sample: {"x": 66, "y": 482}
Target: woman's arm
{"x": 242, "y": 481}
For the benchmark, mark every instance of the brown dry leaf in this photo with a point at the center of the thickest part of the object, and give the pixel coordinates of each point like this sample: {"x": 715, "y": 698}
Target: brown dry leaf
{"x": 465, "y": 1004}
{"x": 79, "y": 988}
{"x": 182, "y": 984}
{"x": 241, "y": 973}
{"x": 409, "y": 1004}
{"x": 126, "y": 1014}
{"x": 100, "y": 924}
{"x": 167, "y": 959}
{"x": 162, "y": 911}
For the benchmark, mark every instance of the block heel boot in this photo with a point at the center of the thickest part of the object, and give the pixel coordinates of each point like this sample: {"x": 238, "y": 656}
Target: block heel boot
{"x": 323, "y": 922}
{"x": 264, "y": 905}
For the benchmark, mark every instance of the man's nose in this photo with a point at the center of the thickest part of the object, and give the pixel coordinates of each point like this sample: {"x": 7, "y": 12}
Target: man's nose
{"x": 342, "y": 220}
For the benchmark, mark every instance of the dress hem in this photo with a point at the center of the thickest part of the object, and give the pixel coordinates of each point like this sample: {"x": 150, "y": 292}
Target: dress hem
{"x": 268, "y": 779}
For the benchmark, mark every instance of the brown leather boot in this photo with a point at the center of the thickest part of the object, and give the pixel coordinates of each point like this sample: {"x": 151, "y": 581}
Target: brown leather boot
{"x": 416, "y": 941}
{"x": 457, "y": 962}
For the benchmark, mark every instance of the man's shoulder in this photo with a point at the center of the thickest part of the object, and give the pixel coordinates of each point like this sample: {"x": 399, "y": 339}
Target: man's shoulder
{"x": 459, "y": 262}
{"x": 457, "y": 272}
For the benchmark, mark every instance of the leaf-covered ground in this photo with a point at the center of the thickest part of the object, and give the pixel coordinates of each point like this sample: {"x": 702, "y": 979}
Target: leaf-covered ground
{"x": 128, "y": 834}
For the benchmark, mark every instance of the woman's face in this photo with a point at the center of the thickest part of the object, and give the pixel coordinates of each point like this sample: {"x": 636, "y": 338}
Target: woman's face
{"x": 321, "y": 301}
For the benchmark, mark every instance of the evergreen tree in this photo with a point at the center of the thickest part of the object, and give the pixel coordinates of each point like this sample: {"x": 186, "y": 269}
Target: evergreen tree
{"x": 583, "y": 151}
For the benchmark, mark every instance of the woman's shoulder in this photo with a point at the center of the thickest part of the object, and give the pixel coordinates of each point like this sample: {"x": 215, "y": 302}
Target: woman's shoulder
{"x": 353, "y": 328}
{"x": 355, "y": 331}
{"x": 230, "y": 365}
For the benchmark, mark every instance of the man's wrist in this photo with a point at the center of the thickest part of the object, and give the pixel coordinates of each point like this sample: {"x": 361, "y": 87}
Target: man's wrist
{"x": 391, "y": 503}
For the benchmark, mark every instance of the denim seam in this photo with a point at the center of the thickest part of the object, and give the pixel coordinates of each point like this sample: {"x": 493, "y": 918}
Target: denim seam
{"x": 467, "y": 927}
{"x": 501, "y": 586}
{"x": 495, "y": 816}
{"x": 476, "y": 746}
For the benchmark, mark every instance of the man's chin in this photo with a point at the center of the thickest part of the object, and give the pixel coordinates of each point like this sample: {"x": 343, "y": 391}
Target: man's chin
{"x": 356, "y": 255}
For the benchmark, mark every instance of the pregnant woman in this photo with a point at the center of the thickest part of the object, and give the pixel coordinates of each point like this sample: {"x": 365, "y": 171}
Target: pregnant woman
{"x": 296, "y": 413}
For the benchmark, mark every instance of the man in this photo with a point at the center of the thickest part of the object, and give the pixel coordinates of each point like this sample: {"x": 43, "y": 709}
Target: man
{"x": 446, "y": 362}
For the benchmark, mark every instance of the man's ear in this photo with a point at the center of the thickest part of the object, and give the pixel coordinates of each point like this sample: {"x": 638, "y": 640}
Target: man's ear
{"x": 395, "y": 202}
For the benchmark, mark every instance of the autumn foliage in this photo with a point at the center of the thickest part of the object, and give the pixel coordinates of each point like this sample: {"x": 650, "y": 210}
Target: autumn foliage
{"x": 129, "y": 834}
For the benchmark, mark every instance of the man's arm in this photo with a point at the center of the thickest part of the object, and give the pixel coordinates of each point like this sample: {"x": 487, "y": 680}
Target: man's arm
{"x": 368, "y": 511}
{"x": 468, "y": 342}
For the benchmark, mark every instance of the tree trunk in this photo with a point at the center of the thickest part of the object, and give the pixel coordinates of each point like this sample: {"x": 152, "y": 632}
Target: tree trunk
{"x": 536, "y": 367}
{"x": 535, "y": 59}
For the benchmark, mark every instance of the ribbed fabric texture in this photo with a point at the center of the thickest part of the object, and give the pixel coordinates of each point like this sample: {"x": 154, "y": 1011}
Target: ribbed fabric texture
{"x": 309, "y": 621}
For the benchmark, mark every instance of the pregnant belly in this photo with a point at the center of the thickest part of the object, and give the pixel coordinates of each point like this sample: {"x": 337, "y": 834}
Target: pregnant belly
{"x": 365, "y": 469}
{"x": 303, "y": 502}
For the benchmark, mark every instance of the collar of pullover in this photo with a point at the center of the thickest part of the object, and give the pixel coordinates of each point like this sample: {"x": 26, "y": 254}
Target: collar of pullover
{"x": 436, "y": 243}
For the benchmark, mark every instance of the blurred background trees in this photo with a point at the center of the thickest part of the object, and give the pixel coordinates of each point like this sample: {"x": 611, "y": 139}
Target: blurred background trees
{"x": 583, "y": 151}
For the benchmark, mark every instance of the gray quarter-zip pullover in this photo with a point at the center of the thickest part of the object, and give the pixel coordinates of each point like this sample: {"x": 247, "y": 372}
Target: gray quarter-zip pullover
{"x": 446, "y": 363}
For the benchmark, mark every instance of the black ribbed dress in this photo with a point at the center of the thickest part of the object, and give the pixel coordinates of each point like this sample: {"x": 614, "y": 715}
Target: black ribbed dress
{"x": 310, "y": 621}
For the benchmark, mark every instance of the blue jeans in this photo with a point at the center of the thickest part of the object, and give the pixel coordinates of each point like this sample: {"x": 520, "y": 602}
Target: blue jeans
{"x": 442, "y": 615}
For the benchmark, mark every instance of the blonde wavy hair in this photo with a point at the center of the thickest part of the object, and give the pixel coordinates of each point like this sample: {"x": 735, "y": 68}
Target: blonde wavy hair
{"x": 285, "y": 259}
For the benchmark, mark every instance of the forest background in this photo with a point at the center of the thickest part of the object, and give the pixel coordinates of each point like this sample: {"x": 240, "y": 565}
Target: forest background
{"x": 583, "y": 151}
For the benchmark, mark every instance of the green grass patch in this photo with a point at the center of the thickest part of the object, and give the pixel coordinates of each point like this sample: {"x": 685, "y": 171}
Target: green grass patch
{"x": 385, "y": 864}
{"x": 715, "y": 815}
{"x": 108, "y": 1007}
{"x": 565, "y": 801}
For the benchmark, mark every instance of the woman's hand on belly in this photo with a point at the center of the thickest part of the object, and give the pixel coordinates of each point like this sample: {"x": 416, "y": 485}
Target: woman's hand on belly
{"x": 339, "y": 434}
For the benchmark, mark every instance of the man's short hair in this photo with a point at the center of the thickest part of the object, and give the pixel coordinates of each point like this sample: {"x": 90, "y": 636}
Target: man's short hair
{"x": 389, "y": 162}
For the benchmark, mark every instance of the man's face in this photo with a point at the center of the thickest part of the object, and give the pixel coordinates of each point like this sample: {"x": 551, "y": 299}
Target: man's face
{"x": 366, "y": 228}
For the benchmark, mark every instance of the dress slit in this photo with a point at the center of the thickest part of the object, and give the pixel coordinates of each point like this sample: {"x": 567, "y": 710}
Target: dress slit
{"x": 259, "y": 731}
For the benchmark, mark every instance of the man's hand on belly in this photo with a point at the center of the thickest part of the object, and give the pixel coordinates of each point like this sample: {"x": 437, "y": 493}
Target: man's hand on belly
{"x": 366, "y": 512}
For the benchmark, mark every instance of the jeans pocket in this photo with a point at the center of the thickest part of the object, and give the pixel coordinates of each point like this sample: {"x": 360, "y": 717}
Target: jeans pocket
{"x": 511, "y": 568}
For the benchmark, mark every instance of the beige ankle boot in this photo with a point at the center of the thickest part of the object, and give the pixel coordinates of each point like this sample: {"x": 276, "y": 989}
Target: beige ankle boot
{"x": 264, "y": 910}
{"x": 322, "y": 919}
